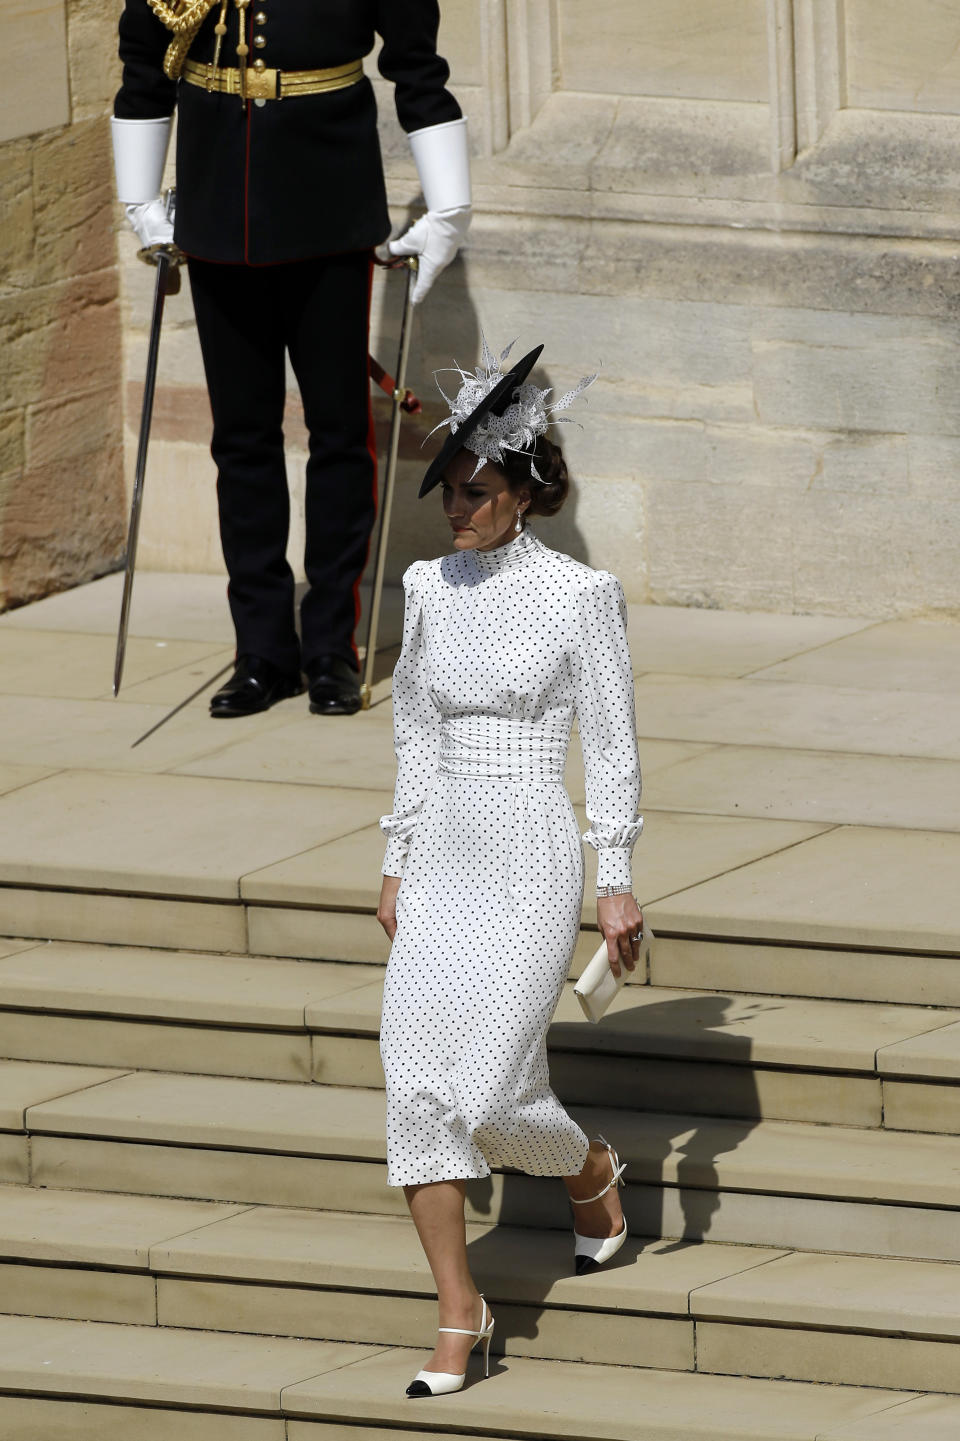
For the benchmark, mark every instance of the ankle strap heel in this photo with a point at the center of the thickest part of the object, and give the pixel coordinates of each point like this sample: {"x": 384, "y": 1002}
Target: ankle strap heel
{"x": 592, "y": 1252}
{"x": 443, "y": 1383}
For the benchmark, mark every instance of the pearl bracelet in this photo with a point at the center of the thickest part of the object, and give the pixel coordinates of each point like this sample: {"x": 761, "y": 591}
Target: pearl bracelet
{"x": 614, "y": 891}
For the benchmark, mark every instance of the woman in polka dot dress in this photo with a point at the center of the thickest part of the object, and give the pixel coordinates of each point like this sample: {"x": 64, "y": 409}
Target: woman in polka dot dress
{"x": 505, "y": 641}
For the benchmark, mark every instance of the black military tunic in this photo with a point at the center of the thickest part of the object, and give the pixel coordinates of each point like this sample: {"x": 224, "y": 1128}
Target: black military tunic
{"x": 296, "y": 177}
{"x": 278, "y": 207}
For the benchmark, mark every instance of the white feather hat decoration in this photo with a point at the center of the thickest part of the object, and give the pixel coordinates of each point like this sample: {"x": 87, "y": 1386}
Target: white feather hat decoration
{"x": 528, "y": 415}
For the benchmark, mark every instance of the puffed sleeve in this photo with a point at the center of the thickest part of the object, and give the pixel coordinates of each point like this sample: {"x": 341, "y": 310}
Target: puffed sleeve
{"x": 409, "y": 58}
{"x": 608, "y": 731}
{"x": 416, "y": 728}
{"x": 146, "y": 93}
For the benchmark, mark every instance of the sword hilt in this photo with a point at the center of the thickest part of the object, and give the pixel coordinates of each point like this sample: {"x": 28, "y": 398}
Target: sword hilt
{"x": 166, "y": 249}
{"x": 150, "y": 254}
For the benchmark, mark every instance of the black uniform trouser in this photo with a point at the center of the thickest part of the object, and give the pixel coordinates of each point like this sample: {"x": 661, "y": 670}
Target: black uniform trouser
{"x": 248, "y": 319}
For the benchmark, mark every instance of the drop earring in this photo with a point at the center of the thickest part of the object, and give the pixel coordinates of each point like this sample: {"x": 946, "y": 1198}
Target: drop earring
{"x": 519, "y": 525}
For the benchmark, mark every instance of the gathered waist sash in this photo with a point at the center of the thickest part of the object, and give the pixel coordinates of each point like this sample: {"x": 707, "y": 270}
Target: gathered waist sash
{"x": 494, "y": 747}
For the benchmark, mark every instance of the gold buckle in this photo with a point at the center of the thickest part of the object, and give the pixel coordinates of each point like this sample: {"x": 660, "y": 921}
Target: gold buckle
{"x": 262, "y": 84}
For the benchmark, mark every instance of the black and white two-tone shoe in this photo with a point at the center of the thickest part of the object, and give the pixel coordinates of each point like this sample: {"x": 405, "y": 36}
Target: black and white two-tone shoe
{"x": 592, "y": 1252}
{"x": 444, "y": 1383}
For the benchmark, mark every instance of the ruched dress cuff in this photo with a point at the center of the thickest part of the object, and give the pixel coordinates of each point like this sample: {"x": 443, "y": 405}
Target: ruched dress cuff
{"x": 399, "y": 834}
{"x": 614, "y": 850}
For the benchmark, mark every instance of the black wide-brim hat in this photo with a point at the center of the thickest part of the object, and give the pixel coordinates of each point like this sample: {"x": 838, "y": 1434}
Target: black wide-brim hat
{"x": 495, "y": 403}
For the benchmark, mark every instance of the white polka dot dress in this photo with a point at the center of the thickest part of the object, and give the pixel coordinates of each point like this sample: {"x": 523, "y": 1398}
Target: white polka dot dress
{"x": 500, "y": 650}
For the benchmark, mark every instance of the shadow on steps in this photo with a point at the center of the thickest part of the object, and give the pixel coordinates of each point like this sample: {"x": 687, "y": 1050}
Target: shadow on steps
{"x": 612, "y": 1075}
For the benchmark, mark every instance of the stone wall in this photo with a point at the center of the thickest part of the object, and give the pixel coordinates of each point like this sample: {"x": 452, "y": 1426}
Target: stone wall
{"x": 746, "y": 213}
{"x": 61, "y": 484}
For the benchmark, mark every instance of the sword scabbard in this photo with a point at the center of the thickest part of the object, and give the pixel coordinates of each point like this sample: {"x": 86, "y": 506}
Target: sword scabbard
{"x": 399, "y": 397}
{"x": 164, "y": 263}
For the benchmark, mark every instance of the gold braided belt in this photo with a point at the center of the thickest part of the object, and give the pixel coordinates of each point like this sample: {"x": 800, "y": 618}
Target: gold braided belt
{"x": 270, "y": 84}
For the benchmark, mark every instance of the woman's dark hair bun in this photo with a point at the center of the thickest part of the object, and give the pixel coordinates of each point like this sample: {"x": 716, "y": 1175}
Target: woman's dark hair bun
{"x": 547, "y": 494}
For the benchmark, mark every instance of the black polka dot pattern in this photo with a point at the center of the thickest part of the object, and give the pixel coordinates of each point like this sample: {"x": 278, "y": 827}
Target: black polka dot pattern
{"x": 501, "y": 649}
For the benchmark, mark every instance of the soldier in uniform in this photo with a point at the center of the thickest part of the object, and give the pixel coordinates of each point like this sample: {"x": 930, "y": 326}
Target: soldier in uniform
{"x": 280, "y": 201}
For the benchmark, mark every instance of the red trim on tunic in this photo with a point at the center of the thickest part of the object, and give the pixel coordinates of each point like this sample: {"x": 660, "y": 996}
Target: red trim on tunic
{"x": 246, "y": 191}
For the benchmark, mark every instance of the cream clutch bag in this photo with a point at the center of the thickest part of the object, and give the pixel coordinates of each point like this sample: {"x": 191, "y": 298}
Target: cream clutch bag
{"x": 598, "y": 985}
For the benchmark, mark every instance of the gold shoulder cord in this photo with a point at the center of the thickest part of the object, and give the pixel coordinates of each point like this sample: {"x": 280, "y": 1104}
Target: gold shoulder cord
{"x": 184, "y": 18}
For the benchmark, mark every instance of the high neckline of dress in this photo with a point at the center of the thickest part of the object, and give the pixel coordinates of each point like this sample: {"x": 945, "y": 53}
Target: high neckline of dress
{"x": 506, "y": 557}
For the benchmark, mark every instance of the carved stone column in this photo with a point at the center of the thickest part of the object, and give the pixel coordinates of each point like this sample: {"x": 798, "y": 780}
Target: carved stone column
{"x": 819, "y": 43}
{"x": 807, "y": 74}
{"x": 520, "y": 64}
{"x": 496, "y": 98}
{"x": 783, "y": 90}
{"x": 534, "y": 61}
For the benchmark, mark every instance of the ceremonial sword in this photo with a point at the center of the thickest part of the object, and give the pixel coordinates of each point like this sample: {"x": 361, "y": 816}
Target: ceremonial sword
{"x": 401, "y": 402}
{"x": 167, "y": 259}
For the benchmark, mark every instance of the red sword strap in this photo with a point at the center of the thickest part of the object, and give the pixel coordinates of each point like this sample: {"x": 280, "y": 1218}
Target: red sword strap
{"x": 388, "y": 385}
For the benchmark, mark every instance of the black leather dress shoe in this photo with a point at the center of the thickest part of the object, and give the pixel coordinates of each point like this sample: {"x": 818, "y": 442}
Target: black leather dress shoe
{"x": 255, "y": 685}
{"x": 334, "y": 686}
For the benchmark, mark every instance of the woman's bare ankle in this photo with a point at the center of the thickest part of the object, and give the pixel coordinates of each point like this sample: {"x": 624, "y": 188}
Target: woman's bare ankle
{"x": 593, "y": 1176}
{"x": 460, "y": 1308}
{"x": 595, "y": 1214}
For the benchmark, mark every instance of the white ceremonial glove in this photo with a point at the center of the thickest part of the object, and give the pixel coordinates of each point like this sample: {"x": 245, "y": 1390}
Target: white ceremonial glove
{"x": 139, "y": 155}
{"x": 442, "y": 158}
{"x": 435, "y": 237}
{"x": 150, "y": 222}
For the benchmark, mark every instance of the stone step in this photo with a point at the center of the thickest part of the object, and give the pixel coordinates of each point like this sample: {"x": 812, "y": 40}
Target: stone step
{"x": 169, "y": 1010}
{"x": 888, "y": 977}
{"x": 363, "y": 1279}
{"x": 163, "y": 1384}
{"x": 780, "y": 1183}
{"x": 23, "y": 1084}
{"x": 77, "y": 863}
{"x": 158, "y": 1366}
{"x": 659, "y": 1048}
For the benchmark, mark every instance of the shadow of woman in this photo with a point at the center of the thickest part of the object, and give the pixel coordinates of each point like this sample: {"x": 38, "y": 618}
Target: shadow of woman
{"x": 562, "y": 532}
{"x": 671, "y": 1085}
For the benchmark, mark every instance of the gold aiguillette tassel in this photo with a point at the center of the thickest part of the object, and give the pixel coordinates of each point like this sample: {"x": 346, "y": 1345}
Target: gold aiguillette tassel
{"x": 220, "y": 29}
{"x": 243, "y": 50}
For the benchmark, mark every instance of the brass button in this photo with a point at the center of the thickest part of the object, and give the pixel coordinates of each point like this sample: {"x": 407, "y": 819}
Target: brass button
{"x": 259, "y": 41}
{"x": 259, "y": 66}
{"x": 260, "y": 18}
